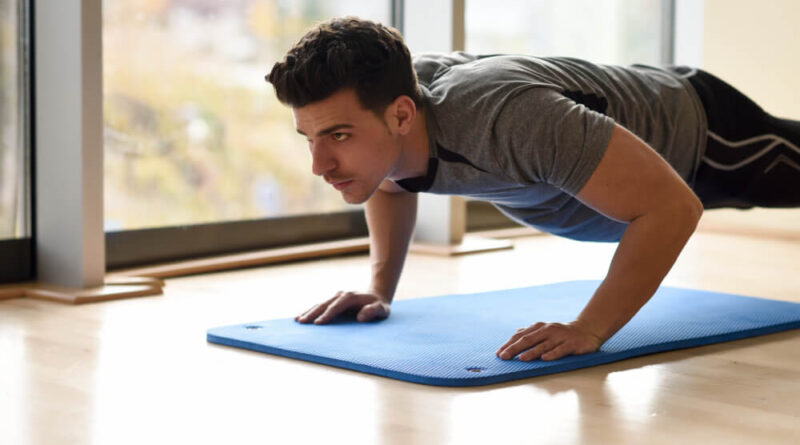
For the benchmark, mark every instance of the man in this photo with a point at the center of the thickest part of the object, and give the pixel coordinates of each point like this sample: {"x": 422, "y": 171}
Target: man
{"x": 589, "y": 152}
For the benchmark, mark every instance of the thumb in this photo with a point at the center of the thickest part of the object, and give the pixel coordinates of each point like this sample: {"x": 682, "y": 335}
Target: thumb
{"x": 373, "y": 310}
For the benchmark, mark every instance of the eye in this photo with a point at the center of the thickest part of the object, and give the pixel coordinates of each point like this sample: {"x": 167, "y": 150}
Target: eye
{"x": 340, "y": 137}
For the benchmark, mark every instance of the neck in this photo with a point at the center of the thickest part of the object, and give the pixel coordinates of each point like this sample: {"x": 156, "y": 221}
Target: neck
{"x": 415, "y": 150}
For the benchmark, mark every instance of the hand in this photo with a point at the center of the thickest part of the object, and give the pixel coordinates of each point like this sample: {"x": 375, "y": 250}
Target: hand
{"x": 369, "y": 307}
{"x": 549, "y": 341}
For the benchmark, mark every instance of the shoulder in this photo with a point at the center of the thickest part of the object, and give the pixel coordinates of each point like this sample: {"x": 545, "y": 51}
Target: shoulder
{"x": 431, "y": 65}
{"x": 483, "y": 83}
{"x": 461, "y": 67}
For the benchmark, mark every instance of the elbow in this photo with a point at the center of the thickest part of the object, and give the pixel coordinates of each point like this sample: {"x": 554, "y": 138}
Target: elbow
{"x": 697, "y": 207}
{"x": 682, "y": 213}
{"x": 690, "y": 210}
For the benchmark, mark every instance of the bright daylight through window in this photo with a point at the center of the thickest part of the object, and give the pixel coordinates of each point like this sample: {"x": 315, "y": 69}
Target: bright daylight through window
{"x": 608, "y": 31}
{"x": 13, "y": 170}
{"x": 192, "y": 131}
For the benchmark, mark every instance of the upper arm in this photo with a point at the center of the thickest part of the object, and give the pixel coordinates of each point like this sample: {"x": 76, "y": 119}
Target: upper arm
{"x": 545, "y": 137}
{"x": 631, "y": 180}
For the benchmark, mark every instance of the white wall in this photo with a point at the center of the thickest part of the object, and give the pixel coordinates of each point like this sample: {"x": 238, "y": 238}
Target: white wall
{"x": 755, "y": 46}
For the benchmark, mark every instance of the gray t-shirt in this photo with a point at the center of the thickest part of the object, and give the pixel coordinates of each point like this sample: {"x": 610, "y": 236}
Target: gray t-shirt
{"x": 526, "y": 133}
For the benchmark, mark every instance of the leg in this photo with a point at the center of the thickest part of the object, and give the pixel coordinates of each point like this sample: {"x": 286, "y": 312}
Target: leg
{"x": 751, "y": 158}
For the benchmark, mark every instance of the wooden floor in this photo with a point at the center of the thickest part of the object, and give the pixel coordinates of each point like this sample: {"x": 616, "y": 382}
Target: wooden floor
{"x": 139, "y": 371}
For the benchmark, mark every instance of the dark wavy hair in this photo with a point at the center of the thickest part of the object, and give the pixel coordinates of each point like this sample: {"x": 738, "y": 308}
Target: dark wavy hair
{"x": 343, "y": 53}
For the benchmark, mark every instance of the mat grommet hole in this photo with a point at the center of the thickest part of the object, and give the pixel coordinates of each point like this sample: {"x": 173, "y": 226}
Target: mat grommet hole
{"x": 475, "y": 369}
{"x": 252, "y": 327}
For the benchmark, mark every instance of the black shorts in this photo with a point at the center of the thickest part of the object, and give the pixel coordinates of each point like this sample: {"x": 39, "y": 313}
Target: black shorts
{"x": 752, "y": 159}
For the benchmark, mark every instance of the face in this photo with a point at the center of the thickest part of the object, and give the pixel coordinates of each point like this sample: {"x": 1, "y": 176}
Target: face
{"x": 352, "y": 149}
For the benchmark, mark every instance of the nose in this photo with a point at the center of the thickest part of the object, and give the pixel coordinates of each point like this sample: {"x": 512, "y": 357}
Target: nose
{"x": 321, "y": 161}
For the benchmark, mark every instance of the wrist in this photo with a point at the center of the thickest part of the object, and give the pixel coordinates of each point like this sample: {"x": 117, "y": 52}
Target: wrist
{"x": 383, "y": 295}
{"x": 588, "y": 328}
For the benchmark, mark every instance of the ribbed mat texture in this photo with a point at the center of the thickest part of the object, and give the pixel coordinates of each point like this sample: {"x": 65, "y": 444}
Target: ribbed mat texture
{"x": 451, "y": 340}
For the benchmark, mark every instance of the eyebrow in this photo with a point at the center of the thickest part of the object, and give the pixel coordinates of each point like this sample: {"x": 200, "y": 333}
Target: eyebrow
{"x": 329, "y": 130}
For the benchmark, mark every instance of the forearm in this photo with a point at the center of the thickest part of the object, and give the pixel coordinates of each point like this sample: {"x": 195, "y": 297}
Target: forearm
{"x": 390, "y": 219}
{"x": 646, "y": 253}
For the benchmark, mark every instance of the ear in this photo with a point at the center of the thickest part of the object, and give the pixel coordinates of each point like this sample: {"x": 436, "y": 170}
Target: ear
{"x": 400, "y": 115}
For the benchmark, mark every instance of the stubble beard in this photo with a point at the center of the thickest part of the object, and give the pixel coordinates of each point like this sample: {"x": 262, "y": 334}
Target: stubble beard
{"x": 357, "y": 196}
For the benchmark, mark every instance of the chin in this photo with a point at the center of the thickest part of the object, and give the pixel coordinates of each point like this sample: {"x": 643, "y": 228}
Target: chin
{"x": 351, "y": 199}
{"x": 357, "y": 197}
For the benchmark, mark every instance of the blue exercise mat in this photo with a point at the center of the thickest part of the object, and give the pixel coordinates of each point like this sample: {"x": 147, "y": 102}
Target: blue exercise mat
{"x": 451, "y": 340}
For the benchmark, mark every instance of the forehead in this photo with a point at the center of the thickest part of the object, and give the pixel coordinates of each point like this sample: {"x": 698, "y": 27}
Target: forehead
{"x": 342, "y": 107}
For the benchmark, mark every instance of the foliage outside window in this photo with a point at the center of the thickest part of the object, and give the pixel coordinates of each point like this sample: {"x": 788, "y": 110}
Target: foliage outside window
{"x": 13, "y": 176}
{"x": 192, "y": 131}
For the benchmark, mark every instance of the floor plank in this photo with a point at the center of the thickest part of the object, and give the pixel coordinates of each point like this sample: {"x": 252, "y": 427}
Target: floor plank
{"x": 140, "y": 370}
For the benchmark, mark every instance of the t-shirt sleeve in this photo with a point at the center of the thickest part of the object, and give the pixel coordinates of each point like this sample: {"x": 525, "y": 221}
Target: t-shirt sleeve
{"x": 544, "y": 136}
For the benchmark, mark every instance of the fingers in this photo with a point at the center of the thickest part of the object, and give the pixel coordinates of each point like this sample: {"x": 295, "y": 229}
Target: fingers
{"x": 538, "y": 339}
{"x": 519, "y": 334}
{"x": 316, "y": 310}
{"x": 560, "y": 351}
{"x": 548, "y": 341}
{"x": 523, "y": 341}
{"x": 370, "y": 306}
{"x": 545, "y": 347}
{"x": 344, "y": 302}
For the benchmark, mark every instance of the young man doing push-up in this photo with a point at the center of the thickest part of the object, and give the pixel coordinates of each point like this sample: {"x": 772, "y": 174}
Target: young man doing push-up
{"x": 585, "y": 151}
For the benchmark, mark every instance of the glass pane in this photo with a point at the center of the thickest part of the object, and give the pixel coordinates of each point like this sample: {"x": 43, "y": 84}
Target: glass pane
{"x": 610, "y": 31}
{"x": 13, "y": 177}
{"x": 193, "y": 132}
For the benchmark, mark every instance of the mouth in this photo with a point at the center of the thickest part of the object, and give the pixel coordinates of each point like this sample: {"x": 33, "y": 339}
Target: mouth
{"x": 341, "y": 185}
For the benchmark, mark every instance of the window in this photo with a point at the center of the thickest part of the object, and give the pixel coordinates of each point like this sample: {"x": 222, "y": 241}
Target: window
{"x": 15, "y": 232}
{"x": 200, "y": 157}
{"x": 193, "y": 132}
{"x": 613, "y": 31}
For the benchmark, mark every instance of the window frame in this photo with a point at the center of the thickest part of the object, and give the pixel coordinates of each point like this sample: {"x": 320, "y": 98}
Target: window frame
{"x": 130, "y": 248}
